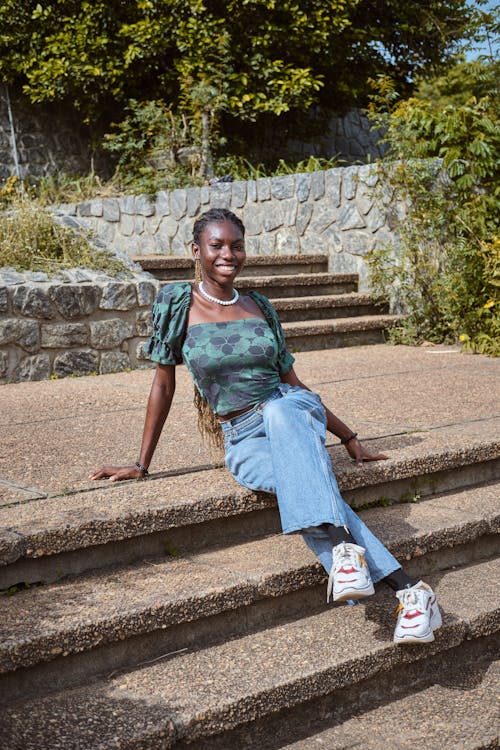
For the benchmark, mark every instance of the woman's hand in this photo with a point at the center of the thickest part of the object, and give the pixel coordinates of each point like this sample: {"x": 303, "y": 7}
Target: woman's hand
{"x": 360, "y": 454}
{"x": 117, "y": 473}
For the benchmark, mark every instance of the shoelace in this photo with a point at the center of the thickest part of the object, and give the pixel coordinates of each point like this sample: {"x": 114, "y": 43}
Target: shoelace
{"x": 341, "y": 554}
{"x": 411, "y": 599}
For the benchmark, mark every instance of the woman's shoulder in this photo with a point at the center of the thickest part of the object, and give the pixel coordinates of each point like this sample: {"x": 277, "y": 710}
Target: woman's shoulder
{"x": 174, "y": 293}
{"x": 263, "y": 302}
{"x": 258, "y": 297}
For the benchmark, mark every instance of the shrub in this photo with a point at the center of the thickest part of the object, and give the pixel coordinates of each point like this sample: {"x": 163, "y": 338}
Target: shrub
{"x": 155, "y": 149}
{"x": 444, "y": 270}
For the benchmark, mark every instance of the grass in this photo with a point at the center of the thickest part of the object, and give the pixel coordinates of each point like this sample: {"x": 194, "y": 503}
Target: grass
{"x": 31, "y": 240}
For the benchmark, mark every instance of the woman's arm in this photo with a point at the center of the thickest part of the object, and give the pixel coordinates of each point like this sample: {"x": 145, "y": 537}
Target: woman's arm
{"x": 338, "y": 428}
{"x": 159, "y": 402}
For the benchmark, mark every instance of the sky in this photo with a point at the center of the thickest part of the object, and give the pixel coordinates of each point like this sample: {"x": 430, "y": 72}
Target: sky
{"x": 484, "y": 49}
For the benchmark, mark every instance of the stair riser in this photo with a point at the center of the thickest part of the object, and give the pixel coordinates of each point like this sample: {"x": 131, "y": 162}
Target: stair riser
{"x": 171, "y": 274}
{"x": 232, "y": 529}
{"x": 329, "y": 313}
{"x": 276, "y": 731}
{"x": 312, "y": 342}
{"x": 305, "y": 290}
{"x": 424, "y": 485}
{"x": 300, "y": 598}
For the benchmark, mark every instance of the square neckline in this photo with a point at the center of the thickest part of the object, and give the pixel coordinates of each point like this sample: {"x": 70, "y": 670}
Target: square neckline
{"x": 224, "y": 322}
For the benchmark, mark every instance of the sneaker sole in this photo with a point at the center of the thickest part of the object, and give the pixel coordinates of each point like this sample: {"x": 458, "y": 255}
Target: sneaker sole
{"x": 352, "y": 593}
{"x": 427, "y": 638}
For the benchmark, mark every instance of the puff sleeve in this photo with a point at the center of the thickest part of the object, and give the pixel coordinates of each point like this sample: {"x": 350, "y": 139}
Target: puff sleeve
{"x": 285, "y": 359}
{"x": 170, "y": 312}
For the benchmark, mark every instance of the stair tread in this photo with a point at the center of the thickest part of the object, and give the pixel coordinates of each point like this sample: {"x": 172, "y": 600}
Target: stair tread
{"x": 461, "y": 711}
{"x": 207, "y": 691}
{"x": 84, "y": 612}
{"x": 323, "y": 300}
{"x": 111, "y": 511}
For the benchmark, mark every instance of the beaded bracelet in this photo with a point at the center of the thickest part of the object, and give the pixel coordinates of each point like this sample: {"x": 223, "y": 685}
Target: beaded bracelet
{"x": 344, "y": 441}
{"x": 145, "y": 472}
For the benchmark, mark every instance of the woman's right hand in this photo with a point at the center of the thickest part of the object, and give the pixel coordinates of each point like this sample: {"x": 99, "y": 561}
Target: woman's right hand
{"x": 117, "y": 473}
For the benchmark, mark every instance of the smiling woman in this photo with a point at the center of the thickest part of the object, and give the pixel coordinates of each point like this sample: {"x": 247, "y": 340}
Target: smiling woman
{"x": 273, "y": 428}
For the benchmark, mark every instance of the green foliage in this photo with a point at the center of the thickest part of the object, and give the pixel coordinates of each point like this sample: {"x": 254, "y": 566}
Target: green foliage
{"x": 21, "y": 586}
{"x": 69, "y": 188}
{"x": 242, "y": 169}
{"x": 148, "y": 143}
{"x": 243, "y": 56}
{"x": 464, "y": 80}
{"x": 30, "y": 239}
{"x": 445, "y": 270}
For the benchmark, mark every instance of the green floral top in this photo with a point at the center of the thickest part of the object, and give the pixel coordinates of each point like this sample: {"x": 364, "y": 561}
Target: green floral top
{"x": 257, "y": 378}
{"x": 234, "y": 363}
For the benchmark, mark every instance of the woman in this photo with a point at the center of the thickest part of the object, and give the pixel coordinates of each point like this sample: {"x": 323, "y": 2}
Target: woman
{"x": 272, "y": 426}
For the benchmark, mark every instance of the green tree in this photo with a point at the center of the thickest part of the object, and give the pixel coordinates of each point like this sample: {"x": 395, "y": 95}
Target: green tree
{"x": 274, "y": 55}
{"x": 464, "y": 80}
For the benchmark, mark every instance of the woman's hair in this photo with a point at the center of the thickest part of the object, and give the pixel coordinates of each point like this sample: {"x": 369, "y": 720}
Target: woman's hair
{"x": 215, "y": 214}
{"x": 208, "y": 424}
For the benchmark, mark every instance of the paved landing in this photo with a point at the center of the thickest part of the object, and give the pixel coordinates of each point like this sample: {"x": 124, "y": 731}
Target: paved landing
{"x": 54, "y": 433}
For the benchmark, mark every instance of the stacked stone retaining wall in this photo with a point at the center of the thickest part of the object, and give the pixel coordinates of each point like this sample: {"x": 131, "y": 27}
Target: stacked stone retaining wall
{"x": 87, "y": 322}
{"x": 49, "y": 139}
{"x": 81, "y": 323}
{"x": 343, "y": 212}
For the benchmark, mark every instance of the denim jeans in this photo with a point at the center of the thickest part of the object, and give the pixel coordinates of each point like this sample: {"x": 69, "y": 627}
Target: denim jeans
{"x": 279, "y": 447}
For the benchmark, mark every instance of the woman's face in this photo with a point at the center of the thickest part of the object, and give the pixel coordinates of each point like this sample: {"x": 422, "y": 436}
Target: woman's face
{"x": 221, "y": 252}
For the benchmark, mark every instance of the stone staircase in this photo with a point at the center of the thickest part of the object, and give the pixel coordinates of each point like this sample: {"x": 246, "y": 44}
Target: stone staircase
{"x": 319, "y": 310}
{"x": 174, "y": 615}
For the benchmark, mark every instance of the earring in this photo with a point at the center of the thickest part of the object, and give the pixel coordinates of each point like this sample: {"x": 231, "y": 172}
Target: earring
{"x": 197, "y": 271}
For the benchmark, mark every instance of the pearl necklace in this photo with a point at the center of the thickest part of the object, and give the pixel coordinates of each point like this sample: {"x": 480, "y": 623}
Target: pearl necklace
{"x": 216, "y": 299}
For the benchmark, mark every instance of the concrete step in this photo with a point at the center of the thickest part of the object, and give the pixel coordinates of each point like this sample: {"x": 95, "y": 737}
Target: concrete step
{"x": 328, "y": 306}
{"x": 171, "y": 267}
{"x": 48, "y": 538}
{"x": 242, "y": 684}
{"x": 310, "y": 335}
{"x": 165, "y": 604}
{"x": 457, "y": 711}
{"x": 297, "y": 285}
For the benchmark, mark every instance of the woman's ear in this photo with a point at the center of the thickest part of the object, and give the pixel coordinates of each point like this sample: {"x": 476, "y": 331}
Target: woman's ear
{"x": 195, "y": 250}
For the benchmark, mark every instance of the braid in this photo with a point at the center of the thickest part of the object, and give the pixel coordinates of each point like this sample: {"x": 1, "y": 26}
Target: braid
{"x": 208, "y": 424}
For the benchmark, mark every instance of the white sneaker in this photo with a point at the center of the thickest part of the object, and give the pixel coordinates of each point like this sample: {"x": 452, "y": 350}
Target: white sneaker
{"x": 349, "y": 576}
{"x": 418, "y": 615}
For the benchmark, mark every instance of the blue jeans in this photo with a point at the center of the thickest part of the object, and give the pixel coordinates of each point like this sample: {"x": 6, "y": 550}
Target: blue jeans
{"x": 279, "y": 447}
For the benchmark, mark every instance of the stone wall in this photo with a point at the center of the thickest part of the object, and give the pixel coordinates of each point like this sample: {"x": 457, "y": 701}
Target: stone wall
{"x": 332, "y": 211}
{"x": 84, "y": 322}
{"x": 80, "y": 323}
{"x": 49, "y": 138}
{"x": 350, "y": 138}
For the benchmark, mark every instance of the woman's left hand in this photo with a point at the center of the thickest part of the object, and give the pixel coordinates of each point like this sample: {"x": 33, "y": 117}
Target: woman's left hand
{"x": 360, "y": 454}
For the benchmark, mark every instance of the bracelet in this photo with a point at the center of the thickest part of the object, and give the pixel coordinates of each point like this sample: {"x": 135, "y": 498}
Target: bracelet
{"x": 145, "y": 472}
{"x": 344, "y": 441}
